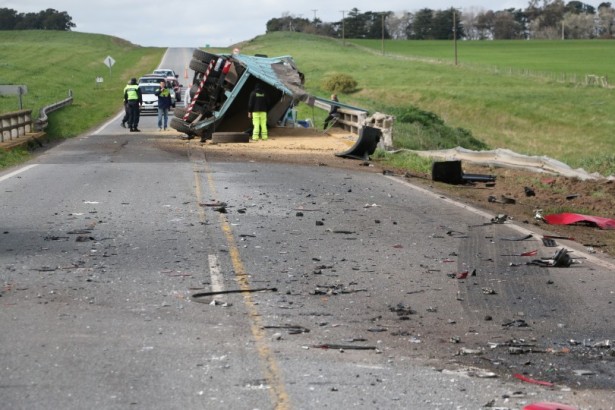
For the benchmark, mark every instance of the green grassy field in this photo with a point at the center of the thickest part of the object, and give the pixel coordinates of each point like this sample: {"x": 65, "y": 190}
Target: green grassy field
{"x": 535, "y": 115}
{"x": 568, "y": 60}
{"x": 527, "y": 96}
{"x": 50, "y": 63}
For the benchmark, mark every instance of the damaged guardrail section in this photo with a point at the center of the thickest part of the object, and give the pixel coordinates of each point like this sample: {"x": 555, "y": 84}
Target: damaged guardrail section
{"x": 41, "y": 123}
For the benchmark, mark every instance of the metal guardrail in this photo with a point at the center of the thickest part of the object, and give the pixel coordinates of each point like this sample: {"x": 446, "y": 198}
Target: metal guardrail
{"x": 18, "y": 124}
{"x": 354, "y": 119}
{"x": 41, "y": 123}
{"x": 15, "y": 124}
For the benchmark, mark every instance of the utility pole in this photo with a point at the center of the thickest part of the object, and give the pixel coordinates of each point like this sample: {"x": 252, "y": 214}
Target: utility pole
{"x": 314, "y": 10}
{"x": 382, "y": 23}
{"x": 343, "y": 28}
{"x": 455, "y": 33}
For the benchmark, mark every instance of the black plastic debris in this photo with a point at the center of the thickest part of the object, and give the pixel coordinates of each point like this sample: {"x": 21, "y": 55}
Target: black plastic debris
{"x": 364, "y": 146}
{"x": 548, "y": 242}
{"x": 503, "y": 200}
{"x": 450, "y": 172}
{"x": 500, "y": 219}
{"x": 561, "y": 259}
{"x": 522, "y": 238}
{"x": 343, "y": 347}
{"x": 529, "y": 191}
{"x": 515, "y": 323}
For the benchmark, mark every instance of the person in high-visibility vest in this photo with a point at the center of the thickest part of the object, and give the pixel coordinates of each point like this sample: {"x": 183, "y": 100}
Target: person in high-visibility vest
{"x": 125, "y": 118}
{"x": 164, "y": 104}
{"x": 257, "y": 110}
{"x": 133, "y": 100}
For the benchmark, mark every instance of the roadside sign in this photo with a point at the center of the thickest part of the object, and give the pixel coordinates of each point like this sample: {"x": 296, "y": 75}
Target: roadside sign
{"x": 13, "y": 89}
{"x": 17, "y": 90}
{"x": 109, "y": 61}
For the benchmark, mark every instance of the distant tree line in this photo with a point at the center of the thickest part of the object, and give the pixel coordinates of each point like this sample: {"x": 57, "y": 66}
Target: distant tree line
{"x": 541, "y": 19}
{"x": 49, "y": 19}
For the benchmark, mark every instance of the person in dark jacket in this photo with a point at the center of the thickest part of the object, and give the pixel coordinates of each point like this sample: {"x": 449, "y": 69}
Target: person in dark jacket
{"x": 332, "y": 112}
{"x": 164, "y": 104}
{"x": 257, "y": 110}
{"x": 133, "y": 99}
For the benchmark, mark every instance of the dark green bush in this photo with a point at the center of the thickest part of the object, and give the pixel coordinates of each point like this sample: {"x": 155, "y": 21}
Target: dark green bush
{"x": 339, "y": 83}
{"x": 423, "y": 130}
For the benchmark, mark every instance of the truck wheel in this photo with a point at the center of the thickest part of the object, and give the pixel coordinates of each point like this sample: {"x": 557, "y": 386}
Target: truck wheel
{"x": 181, "y": 126}
{"x": 201, "y": 67}
{"x": 203, "y": 56}
{"x": 198, "y": 65}
{"x": 179, "y": 112}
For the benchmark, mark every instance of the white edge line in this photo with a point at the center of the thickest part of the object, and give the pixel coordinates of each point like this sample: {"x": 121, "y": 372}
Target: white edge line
{"x": 17, "y": 172}
{"x": 217, "y": 284}
{"x": 577, "y": 249}
{"x": 112, "y": 120}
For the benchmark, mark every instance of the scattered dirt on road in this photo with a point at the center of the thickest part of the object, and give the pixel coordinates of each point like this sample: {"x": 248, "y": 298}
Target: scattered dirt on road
{"x": 463, "y": 341}
{"x": 552, "y": 194}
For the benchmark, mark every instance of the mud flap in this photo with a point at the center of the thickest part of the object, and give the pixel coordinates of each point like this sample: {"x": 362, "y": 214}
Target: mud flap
{"x": 364, "y": 146}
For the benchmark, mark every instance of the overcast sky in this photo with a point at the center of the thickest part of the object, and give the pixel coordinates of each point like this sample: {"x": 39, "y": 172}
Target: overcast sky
{"x": 196, "y": 23}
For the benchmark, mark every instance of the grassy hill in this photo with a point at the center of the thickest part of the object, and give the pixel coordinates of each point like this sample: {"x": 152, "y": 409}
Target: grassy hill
{"x": 52, "y": 62}
{"x": 526, "y": 96}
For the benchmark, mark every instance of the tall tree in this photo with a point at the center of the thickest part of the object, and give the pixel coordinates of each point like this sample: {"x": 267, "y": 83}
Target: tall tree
{"x": 354, "y": 24}
{"x": 422, "y": 25}
{"x": 54, "y": 20}
{"x": 484, "y": 25}
{"x": 505, "y": 27}
{"x": 397, "y": 24}
{"x": 442, "y": 24}
{"x": 579, "y": 26}
{"x": 606, "y": 18}
{"x": 8, "y": 19}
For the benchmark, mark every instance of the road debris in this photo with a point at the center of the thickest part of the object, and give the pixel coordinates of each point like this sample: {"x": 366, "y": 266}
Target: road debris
{"x": 533, "y": 381}
{"x": 572, "y": 218}
{"x": 518, "y": 239}
{"x": 292, "y": 329}
{"x": 549, "y": 406}
{"x": 196, "y": 297}
{"x": 528, "y": 253}
{"x": 343, "y": 347}
{"x": 503, "y": 200}
{"x": 331, "y": 290}
{"x": 561, "y": 259}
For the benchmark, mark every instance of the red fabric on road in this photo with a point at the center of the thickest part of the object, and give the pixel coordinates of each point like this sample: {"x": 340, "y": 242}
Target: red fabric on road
{"x": 569, "y": 218}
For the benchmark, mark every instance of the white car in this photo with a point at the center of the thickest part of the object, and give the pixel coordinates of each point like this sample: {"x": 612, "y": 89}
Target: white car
{"x": 149, "y": 97}
{"x": 166, "y": 72}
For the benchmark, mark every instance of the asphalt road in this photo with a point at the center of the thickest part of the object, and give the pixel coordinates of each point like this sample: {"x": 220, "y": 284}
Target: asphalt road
{"x": 105, "y": 237}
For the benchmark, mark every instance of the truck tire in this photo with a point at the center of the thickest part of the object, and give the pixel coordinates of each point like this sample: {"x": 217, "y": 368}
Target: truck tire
{"x": 179, "y": 112}
{"x": 199, "y": 66}
{"x": 181, "y": 126}
{"x": 203, "y": 56}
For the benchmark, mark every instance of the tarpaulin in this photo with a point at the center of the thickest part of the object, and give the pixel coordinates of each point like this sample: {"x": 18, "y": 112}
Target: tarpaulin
{"x": 569, "y": 218}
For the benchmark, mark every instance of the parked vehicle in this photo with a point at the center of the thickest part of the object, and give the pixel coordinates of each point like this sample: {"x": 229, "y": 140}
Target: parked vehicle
{"x": 166, "y": 72}
{"x": 152, "y": 79}
{"x": 172, "y": 83}
{"x": 148, "y": 94}
{"x": 221, "y": 88}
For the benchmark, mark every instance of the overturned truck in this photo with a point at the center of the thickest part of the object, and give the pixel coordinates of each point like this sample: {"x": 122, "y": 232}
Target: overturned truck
{"x": 221, "y": 88}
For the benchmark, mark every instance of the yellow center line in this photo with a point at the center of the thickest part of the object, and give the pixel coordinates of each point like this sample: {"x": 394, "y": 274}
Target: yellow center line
{"x": 272, "y": 371}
